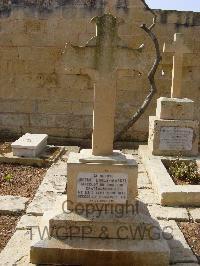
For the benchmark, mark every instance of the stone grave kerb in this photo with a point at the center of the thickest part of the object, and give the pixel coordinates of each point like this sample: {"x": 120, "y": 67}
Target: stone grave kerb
{"x": 178, "y": 48}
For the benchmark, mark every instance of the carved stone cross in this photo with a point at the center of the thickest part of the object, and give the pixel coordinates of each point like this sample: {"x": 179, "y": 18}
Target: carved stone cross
{"x": 101, "y": 58}
{"x": 179, "y": 49}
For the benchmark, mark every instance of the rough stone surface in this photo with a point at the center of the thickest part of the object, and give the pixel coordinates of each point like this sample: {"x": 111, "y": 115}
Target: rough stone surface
{"x": 180, "y": 251}
{"x": 42, "y": 202}
{"x": 148, "y": 196}
{"x": 54, "y": 182}
{"x": 100, "y": 252}
{"x": 195, "y": 214}
{"x": 12, "y": 204}
{"x": 27, "y": 222}
{"x": 168, "y": 213}
{"x": 143, "y": 181}
{"x": 17, "y": 249}
{"x": 36, "y": 98}
{"x": 175, "y": 109}
{"x": 55, "y": 178}
{"x": 67, "y": 225}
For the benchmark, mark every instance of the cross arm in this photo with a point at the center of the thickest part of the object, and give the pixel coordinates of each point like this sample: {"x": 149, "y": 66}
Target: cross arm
{"x": 75, "y": 58}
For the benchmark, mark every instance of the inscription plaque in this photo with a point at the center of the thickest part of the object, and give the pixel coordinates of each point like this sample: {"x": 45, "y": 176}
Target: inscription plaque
{"x": 102, "y": 187}
{"x": 176, "y": 138}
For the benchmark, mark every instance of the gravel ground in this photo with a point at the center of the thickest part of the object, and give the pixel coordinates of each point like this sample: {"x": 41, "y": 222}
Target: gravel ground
{"x": 7, "y": 228}
{"x": 19, "y": 180}
{"x": 191, "y": 232}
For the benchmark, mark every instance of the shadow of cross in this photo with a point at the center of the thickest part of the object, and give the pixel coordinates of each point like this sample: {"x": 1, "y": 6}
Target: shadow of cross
{"x": 100, "y": 59}
{"x": 179, "y": 49}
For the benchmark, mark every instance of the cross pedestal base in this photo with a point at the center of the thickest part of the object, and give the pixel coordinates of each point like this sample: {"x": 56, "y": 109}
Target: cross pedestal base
{"x": 101, "y": 182}
{"x": 103, "y": 223}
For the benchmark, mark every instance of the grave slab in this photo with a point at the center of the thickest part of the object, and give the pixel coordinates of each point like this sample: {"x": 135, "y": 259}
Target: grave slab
{"x": 29, "y": 145}
{"x": 49, "y": 155}
{"x": 173, "y": 137}
{"x": 169, "y": 194}
{"x": 12, "y": 204}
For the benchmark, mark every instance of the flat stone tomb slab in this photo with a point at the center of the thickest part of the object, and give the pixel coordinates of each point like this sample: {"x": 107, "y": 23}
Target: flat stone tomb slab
{"x": 29, "y": 145}
{"x": 173, "y": 137}
{"x": 48, "y": 155}
{"x": 169, "y": 193}
{"x": 100, "y": 184}
{"x": 175, "y": 109}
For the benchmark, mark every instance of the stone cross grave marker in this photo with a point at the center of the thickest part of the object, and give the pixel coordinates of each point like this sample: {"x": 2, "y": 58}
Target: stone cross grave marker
{"x": 100, "y": 59}
{"x": 179, "y": 49}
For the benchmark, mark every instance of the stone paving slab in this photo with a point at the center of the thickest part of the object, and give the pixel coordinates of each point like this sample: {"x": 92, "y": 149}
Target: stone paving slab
{"x": 42, "y": 202}
{"x": 180, "y": 250}
{"x": 195, "y": 214}
{"x": 27, "y": 222}
{"x": 55, "y": 178}
{"x": 12, "y": 204}
{"x": 143, "y": 181}
{"x": 168, "y": 213}
{"x": 148, "y": 196}
{"x": 53, "y": 183}
{"x": 17, "y": 250}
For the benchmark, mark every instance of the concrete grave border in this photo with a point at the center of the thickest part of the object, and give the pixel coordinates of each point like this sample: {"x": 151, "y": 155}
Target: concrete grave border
{"x": 169, "y": 194}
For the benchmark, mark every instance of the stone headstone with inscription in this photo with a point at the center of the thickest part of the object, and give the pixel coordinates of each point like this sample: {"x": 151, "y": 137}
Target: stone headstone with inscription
{"x": 101, "y": 182}
{"x": 173, "y": 131}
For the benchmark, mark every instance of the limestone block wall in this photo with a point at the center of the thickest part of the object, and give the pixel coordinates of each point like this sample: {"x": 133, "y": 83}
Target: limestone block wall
{"x": 36, "y": 95}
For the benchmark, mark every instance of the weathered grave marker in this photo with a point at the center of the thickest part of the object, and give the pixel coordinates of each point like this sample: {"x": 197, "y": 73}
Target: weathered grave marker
{"x": 100, "y": 179}
{"x": 29, "y": 145}
{"x": 173, "y": 131}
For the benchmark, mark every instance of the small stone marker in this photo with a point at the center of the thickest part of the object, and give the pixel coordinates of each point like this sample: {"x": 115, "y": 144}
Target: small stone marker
{"x": 29, "y": 145}
{"x": 173, "y": 130}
